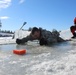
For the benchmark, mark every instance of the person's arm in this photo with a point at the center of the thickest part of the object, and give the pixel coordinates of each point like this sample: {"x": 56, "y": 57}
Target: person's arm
{"x": 24, "y": 40}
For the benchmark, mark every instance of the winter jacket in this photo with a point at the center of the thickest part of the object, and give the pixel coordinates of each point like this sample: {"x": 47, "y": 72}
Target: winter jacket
{"x": 46, "y": 37}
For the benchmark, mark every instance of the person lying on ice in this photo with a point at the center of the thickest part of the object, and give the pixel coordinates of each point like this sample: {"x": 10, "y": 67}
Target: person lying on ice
{"x": 73, "y": 29}
{"x": 45, "y": 37}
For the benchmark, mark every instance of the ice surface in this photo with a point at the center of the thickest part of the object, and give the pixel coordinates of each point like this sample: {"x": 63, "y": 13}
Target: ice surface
{"x": 59, "y": 59}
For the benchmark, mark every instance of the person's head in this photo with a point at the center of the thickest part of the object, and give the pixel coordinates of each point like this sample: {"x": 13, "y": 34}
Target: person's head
{"x": 75, "y": 20}
{"x": 35, "y": 33}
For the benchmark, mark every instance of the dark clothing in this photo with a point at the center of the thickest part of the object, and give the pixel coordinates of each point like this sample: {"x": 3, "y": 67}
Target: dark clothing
{"x": 46, "y": 37}
{"x": 73, "y": 30}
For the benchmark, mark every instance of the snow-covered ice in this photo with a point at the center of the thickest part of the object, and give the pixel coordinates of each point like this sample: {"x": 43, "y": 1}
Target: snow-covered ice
{"x": 18, "y": 34}
{"x": 7, "y": 40}
{"x": 58, "y": 59}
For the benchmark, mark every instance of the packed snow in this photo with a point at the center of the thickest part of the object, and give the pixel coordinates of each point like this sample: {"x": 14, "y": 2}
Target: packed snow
{"x": 10, "y": 40}
{"x": 66, "y": 34}
{"x": 21, "y": 33}
{"x": 58, "y": 59}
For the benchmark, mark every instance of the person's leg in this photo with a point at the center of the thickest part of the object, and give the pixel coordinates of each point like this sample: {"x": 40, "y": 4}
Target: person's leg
{"x": 73, "y": 30}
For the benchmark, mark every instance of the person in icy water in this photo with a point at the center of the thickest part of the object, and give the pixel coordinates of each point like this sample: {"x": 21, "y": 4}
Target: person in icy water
{"x": 45, "y": 37}
{"x": 73, "y": 29}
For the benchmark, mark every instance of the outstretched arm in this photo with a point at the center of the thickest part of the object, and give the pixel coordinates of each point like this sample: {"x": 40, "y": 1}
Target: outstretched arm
{"x": 24, "y": 40}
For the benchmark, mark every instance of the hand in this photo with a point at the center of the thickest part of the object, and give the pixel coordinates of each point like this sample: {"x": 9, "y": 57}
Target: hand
{"x": 18, "y": 41}
{"x": 43, "y": 41}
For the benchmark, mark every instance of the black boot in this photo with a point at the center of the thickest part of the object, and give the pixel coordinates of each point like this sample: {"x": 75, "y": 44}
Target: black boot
{"x": 74, "y": 35}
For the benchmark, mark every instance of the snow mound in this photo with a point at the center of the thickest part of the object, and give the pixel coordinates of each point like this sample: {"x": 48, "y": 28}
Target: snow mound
{"x": 21, "y": 33}
{"x": 66, "y": 34}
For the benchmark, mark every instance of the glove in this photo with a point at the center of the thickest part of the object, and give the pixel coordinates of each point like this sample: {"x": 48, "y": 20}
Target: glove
{"x": 43, "y": 41}
{"x": 18, "y": 41}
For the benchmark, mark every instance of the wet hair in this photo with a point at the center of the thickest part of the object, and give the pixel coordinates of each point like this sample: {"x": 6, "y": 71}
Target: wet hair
{"x": 34, "y": 30}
